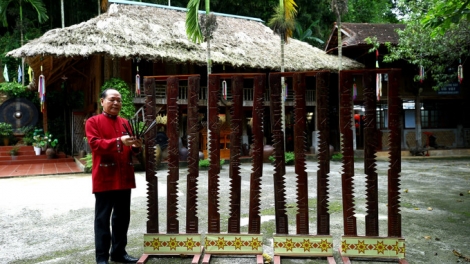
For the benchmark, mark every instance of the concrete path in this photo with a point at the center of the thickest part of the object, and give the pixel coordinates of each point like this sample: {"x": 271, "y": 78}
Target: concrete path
{"x": 49, "y": 219}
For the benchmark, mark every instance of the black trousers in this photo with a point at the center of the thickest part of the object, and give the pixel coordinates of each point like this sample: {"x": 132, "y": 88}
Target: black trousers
{"x": 114, "y": 206}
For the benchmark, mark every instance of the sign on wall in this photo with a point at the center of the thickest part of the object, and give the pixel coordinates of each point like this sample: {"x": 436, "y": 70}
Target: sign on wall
{"x": 449, "y": 89}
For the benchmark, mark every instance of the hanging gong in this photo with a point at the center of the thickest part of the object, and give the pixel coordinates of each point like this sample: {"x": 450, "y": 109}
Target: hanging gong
{"x": 19, "y": 112}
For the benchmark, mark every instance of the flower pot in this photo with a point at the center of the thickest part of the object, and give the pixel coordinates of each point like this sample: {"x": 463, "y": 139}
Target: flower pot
{"x": 50, "y": 153}
{"x": 37, "y": 150}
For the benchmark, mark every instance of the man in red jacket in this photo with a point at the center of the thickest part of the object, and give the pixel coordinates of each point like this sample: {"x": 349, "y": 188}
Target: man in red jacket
{"x": 113, "y": 178}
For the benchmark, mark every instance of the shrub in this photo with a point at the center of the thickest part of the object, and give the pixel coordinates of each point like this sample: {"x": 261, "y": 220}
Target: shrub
{"x": 6, "y": 129}
{"x": 128, "y": 109}
{"x": 337, "y": 157}
{"x": 205, "y": 163}
{"x": 88, "y": 162}
{"x": 288, "y": 156}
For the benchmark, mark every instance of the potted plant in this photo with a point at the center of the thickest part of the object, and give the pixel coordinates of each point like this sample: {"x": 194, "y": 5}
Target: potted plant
{"x": 6, "y": 131}
{"x": 39, "y": 142}
{"x": 51, "y": 145}
{"x": 14, "y": 152}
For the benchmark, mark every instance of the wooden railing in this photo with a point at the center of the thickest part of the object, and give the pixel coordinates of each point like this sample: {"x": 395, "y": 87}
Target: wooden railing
{"x": 247, "y": 95}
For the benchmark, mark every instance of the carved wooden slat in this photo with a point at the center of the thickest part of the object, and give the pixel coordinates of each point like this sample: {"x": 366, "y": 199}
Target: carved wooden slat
{"x": 173, "y": 155}
{"x": 323, "y": 217}
{"x": 302, "y": 222}
{"x": 150, "y": 167}
{"x": 282, "y": 225}
{"x": 345, "y": 123}
{"x": 214, "y": 155}
{"x": 193, "y": 155}
{"x": 394, "y": 106}
{"x": 236, "y": 124}
{"x": 370, "y": 150}
{"x": 254, "y": 224}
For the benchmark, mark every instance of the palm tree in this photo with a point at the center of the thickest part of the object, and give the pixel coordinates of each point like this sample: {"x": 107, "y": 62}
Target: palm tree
{"x": 193, "y": 28}
{"x": 283, "y": 23}
{"x": 340, "y": 7}
{"x": 102, "y": 6}
{"x": 195, "y": 34}
{"x": 40, "y": 9}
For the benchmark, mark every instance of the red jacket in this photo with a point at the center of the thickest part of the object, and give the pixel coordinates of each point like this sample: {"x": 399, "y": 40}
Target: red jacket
{"x": 112, "y": 161}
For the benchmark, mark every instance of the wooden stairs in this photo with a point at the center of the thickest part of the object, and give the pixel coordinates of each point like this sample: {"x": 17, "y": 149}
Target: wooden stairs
{"x": 26, "y": 155}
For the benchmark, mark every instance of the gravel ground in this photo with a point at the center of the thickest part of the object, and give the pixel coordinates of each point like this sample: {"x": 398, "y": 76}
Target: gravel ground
{"x": 49, "y": 219}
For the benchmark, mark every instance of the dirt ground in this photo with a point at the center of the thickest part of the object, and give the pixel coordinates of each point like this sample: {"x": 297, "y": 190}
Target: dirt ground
{"x": 49, "y": 219}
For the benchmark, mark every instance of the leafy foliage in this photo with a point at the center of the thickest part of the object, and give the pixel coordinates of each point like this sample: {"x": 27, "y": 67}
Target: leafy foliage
{"x": 6, "y": 129}
{"x": 14, "y": 89}
{"x": 204, "y": 163}
{"x": 307, "y": 34}
{"x": 366, "y": 11}
{"x": 283, "y": 20}
{"x": 289, "y": 157}
{"x": 88, "y": 162}
{"x": 444, "y": 14}
{"x": 438, "y": 54}
{"x": 193, "y": 28}
{"x": 128, "y": 109}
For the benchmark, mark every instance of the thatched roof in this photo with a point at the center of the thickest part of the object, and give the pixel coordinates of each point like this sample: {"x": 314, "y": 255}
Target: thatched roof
{"x": 158, "y": 33}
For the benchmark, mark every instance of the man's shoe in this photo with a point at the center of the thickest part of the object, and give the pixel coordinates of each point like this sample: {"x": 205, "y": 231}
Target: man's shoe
{"x": 125, "y": 259}
{"x": 102, "y": 262}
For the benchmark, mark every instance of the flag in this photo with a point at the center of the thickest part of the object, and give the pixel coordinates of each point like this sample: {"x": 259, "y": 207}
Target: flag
{"x": 20, "y": 74}
{"x": 42, "y": 91}
{"x": 30, "y": 73}
{"x": 5, "y": 74}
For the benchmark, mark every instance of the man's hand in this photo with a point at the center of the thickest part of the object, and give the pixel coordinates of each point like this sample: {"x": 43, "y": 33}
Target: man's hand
{"x": 131, "y": 141}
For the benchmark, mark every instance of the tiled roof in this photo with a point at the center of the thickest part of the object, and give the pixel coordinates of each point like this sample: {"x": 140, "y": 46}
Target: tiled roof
{"x": 354, "y": 34}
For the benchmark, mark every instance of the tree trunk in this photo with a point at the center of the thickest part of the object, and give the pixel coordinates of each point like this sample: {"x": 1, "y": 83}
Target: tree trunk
{"x": 62, "y": 12}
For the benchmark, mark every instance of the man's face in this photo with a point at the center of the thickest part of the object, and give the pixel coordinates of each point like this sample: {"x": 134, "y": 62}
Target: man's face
{"x": 112, "y": 103}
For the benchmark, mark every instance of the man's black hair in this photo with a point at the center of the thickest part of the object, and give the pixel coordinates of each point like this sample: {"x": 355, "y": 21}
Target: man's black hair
{"x": 105, "y": 92}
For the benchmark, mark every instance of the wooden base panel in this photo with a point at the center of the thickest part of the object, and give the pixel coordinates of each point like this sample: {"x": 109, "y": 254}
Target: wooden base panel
{"x": 172, "y": 244}
{"x": 372, "y": 248}
{"x": 230, "y": 244}
{"x": 303, "y": 245}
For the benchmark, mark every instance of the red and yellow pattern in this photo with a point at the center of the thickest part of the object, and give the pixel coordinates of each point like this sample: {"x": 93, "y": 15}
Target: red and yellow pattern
{"x": 373, "y": 247}
{"x": 303, "y": 245}
{"x": 233, "y": 244}
{"x": 161, "y": 244}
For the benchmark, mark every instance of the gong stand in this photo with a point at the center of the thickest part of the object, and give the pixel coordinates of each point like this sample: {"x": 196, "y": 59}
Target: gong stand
{"x": 235, "y": 242}
{"x": 302, "y": 244}
{"x": 172, "y": 242}
{"x": 371, "y": 246}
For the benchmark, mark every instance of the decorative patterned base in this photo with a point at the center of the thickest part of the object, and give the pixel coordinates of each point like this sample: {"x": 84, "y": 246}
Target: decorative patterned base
{"x": 303, "y": 245}
{"x": 373, "y": 247}
{"x": 172, "y": 244}
{"x": 246, "y": 244}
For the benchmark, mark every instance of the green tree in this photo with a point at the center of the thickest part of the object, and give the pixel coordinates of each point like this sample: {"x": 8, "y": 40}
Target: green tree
{"x": 283, "y": 24}
{"x": 307, "y": 34}
{"x": 444, "y": 14}
{"x": 195, "y": 33}
{"x": 366, "y": 11}
{"x": 38, "y": 5}
{"x": 439, "y": 54}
